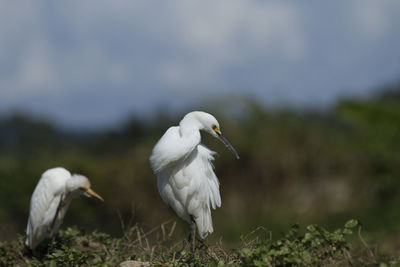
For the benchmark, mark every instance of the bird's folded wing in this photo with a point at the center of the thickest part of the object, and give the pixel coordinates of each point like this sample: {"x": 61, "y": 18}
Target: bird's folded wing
{"x": 44, "y": 204}
{"x": 210, "y": 180}
{"x": 170, "y": 149}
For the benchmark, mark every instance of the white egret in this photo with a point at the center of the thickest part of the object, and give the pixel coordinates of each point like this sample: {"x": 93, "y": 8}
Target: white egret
{"x": 185, "y": 176}
{"x": 50, "y": 201}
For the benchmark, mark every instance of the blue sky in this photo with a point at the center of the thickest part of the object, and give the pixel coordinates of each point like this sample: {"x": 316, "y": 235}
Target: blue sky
{"x": 91, "y": 63}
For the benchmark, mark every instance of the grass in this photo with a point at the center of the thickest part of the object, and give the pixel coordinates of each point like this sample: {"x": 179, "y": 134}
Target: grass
{"x": 315, "y": 246}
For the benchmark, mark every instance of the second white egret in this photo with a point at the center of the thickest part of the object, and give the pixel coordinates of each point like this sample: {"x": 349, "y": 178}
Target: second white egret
{"x": 50, "y": 201}
{"x": 185, "y": 176}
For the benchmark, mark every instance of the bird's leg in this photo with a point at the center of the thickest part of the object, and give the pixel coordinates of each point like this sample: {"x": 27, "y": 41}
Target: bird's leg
{"x": 203, "y": 244}
{"x": 192, "y": 235}
{"x": 191, "y": 238}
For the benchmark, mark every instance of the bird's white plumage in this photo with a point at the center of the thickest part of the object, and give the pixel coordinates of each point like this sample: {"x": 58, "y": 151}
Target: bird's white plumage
{"x": 45, "y": 200}
{"x": 50, "y": 201}
{"x": 186, "y": 179}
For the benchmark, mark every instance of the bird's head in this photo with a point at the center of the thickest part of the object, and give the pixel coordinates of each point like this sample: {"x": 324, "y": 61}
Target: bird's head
{"x": 79, "y": 184}
{"x": 210, "y": 124}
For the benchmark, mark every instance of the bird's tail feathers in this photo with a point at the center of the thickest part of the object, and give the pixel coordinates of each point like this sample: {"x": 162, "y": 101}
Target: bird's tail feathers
{"x": 204, "y": 223}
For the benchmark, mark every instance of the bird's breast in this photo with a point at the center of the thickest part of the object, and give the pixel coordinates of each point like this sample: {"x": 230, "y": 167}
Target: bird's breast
{"x": 179, "y": 180}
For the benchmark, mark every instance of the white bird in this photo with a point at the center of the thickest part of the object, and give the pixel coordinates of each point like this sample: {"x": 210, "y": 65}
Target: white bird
{"x": 185, "y": 176}
{"x": 50, "y": 201}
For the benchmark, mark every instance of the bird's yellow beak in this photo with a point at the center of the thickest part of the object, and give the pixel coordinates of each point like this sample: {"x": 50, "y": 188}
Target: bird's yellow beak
{"x": 94, "y": 194}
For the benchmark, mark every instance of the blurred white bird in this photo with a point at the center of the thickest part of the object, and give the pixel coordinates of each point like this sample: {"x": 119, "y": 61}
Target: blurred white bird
{"x": 186, "y": 180}
{"x": 50, "y": 201}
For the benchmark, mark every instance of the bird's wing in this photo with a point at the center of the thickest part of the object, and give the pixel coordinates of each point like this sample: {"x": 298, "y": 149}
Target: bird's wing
{"x": 204, "y": 181}
{"x": 171, "y": 148}
{"x": 196, "y": 187}
{"x": 44, "y": 204}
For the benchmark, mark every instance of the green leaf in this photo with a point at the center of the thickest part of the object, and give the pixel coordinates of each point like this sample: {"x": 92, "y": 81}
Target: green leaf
{"x": 311, "y": 228}
{"x": 351, "y": 223}
{"x": 347, "y": 231}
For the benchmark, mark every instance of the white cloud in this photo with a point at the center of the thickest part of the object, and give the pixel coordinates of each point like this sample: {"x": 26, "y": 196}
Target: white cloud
{"x": 214, "y": 36}
{"x": 25, "y": 62}
{"x": 371, "y": 16}
{"x": 36, "y": 71}
{"x": 204, "y": 38}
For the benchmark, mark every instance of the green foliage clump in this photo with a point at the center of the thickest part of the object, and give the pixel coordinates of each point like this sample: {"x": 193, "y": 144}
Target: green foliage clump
{"x": 316, "y": 247}
{"x": 72, "y": 247}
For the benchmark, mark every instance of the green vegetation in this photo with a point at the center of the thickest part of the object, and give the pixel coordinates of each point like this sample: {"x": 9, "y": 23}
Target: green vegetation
{"x": 315, "y": 247}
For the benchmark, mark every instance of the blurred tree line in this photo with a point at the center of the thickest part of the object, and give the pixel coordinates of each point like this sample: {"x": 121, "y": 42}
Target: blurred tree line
{"x": 307, "y": 167}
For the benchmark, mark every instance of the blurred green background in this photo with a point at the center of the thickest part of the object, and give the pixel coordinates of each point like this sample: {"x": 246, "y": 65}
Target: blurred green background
{"x": 306, "y": 166}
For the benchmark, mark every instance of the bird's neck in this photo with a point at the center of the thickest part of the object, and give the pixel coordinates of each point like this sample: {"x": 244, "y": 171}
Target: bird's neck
{"x": 189, "y": 130}
{"x": 189, "y": 126}
{"x": 72, "y": 184}
{"x": 72, "y": 187}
